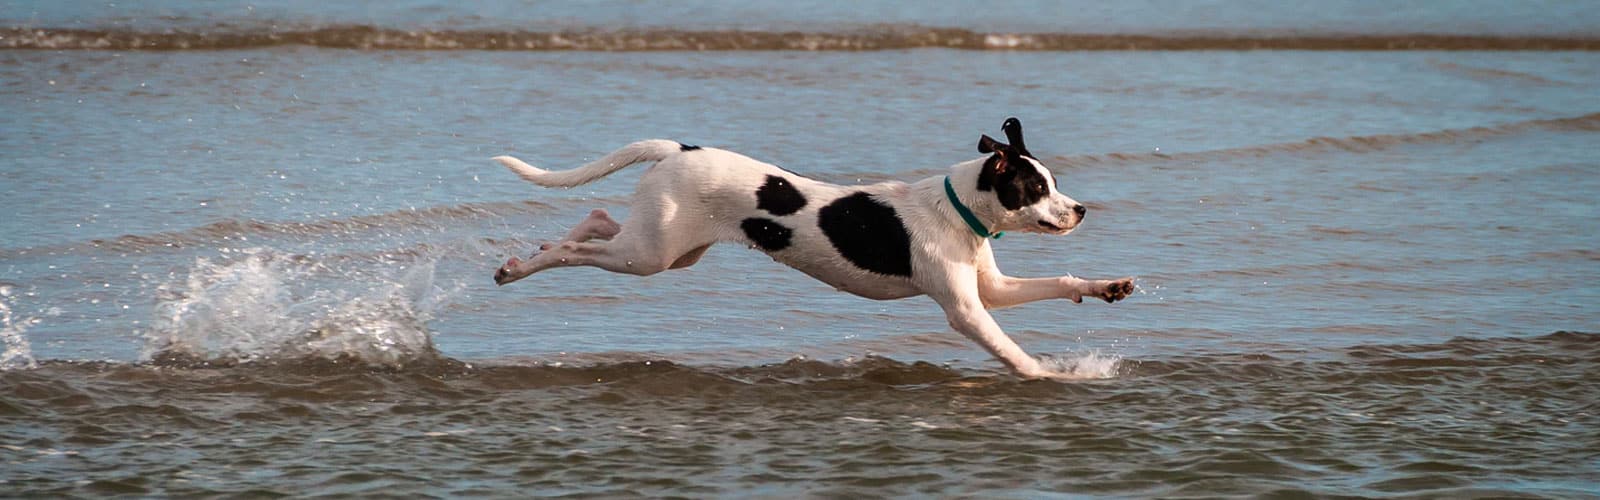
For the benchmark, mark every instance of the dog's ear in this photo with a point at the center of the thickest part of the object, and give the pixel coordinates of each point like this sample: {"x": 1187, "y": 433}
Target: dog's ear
{"x": 996, "y": 165}
{"x": 993, "y": 168}
{"x": 1013, "y": 129}
{"x": 1001, "y": 150}
{"x": 988, "y": 145}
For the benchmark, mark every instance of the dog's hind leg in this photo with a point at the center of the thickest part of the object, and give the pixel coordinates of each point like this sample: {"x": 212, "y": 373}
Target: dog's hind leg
{"x": 626, "y": 253}
{"x": 616, "y": 256}
{"x": 643, "y": 246}
{"x": 597, "y": 226}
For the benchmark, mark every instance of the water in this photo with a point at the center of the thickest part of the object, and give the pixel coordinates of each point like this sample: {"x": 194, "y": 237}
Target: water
{"x": 267, "y": 269}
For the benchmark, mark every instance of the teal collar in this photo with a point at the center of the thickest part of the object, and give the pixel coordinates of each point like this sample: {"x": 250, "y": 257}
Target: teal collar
{"x": 966, "y": 213}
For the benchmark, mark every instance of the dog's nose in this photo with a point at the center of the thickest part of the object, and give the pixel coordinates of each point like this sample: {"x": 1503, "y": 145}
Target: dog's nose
{"x": 1080, "y": 210}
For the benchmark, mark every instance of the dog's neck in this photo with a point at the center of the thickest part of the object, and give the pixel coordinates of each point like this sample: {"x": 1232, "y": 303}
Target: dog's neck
{"x": 964, "y": 179}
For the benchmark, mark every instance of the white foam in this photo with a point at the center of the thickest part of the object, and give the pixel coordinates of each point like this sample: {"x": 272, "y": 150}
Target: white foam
{"x": 18, "y": 354}
{"x": 266, "y": 304}
{"x": 1007, "y": 41}
{"x": 1082, "y": 366}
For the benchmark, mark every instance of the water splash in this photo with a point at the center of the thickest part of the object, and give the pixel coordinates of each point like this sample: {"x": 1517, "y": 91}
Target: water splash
{"x": 1082, "y": 366}
{"x": 18, "y": 354}
{"x": 267, "y": 305}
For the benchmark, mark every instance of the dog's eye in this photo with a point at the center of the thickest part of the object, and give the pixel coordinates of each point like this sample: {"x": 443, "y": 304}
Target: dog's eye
{"x": 1039, "y": 187}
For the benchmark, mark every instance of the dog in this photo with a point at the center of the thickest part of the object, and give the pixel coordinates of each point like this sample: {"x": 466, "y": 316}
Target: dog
{"x": 883, "y": 241}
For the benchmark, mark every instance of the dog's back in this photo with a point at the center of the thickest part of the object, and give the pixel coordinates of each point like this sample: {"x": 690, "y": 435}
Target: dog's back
{"x": 850, "y": 237}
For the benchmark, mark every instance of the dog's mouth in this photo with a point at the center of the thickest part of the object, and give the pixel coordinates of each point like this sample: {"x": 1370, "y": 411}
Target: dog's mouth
{"x": 1048, "y": 227}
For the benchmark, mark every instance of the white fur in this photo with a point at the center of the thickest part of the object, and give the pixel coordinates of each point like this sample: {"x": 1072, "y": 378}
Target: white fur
{"x": 690, "y": 200}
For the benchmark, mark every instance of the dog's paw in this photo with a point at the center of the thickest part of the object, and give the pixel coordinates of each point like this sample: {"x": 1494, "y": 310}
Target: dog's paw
{"x": 1117, "y": 290}
{"x": 502, "y": 275}
{"x": 1054, "y": 376}
{"x": 1033, "y": 374}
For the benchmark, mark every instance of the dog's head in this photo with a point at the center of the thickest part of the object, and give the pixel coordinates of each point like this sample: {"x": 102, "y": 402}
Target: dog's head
{"x": 1023, "y": 187}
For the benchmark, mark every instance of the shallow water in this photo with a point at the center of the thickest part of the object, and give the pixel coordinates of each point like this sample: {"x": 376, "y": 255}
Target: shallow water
{"x": 1486, "y": 417}
{"x": 268, "y": 269}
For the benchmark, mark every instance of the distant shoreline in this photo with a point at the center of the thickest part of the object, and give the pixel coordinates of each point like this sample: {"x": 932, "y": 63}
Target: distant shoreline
{"x": 642, "y": 40}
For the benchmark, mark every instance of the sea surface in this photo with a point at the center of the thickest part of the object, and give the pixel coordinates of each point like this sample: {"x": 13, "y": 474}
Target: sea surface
{"x": 247, "y": 249}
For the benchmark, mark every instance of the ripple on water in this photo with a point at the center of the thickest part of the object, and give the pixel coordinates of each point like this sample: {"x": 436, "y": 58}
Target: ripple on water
{"x": 1372, "y": 421}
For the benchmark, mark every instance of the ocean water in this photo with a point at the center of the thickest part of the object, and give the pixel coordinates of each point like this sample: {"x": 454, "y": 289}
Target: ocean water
{"x": 247, "y": 249}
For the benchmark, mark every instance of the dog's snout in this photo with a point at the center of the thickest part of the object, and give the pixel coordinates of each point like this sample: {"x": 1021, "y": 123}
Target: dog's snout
{"x": 1080, "y": 210}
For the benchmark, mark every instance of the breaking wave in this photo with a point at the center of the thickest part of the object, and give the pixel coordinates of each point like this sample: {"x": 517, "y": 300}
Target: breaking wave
{"x": 893, "y": 37}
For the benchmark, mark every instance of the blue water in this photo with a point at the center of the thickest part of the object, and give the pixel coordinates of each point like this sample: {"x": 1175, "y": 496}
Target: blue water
{"x": 1350, "y": 264}
{"x": 1420, "y": 237}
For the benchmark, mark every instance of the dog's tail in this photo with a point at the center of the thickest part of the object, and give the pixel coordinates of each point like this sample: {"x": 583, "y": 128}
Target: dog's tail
{"x": 638, "y": 152}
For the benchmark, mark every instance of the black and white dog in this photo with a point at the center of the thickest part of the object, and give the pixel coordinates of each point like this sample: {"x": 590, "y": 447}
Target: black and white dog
{"x": 883, "y": 241}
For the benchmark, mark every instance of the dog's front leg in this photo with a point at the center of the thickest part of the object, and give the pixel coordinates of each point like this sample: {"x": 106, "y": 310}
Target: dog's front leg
{"x": 1107, "y": 290}
{"x": 967, "y": 315}
{"x": 999, "y": 291}
{"x": 1002, "y": 291}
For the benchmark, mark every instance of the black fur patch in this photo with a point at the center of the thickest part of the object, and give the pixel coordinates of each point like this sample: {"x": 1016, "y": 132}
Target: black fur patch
{"x": 868, "y": 234}
{"x": 778, "y": 197}
{"x": 1016, "y": 183}
{"x": 687, "y": 147}
{"x": 767, "y": 234}
{"x": 1008, "y": 172}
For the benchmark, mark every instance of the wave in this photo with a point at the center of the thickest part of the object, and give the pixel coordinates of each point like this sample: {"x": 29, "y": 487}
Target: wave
{"x": 894, "y": 37}
{"x": 1353, "y": 144}
{"x": 1492, "y": 74}
{"x": 234, "y": 231}
{"x": 1562, "y": 351}
{"x": 1350, "y": 144}
{"x": 398, "y": 219}
{"x": 1501, "y": 417}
